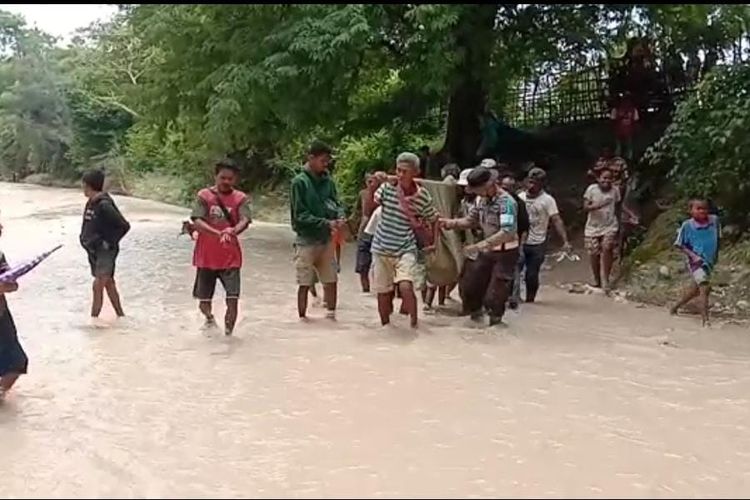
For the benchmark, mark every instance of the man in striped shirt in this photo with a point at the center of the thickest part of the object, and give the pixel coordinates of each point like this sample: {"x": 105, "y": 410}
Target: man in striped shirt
{"x": 395, "y": 245}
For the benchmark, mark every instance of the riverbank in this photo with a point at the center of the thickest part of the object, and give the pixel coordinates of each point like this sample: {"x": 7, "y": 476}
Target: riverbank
{"x": 654, "y": 273}
{"x": 268, "y": 206}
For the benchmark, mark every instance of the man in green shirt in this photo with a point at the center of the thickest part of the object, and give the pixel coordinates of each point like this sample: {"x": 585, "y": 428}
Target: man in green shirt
{"x": 315, "y": 213}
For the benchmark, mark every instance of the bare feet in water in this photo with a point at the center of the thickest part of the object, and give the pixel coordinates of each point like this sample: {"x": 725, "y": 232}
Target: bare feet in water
{"x": 209, "y": 323}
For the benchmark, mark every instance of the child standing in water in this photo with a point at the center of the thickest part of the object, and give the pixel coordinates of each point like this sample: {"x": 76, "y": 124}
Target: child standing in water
{"x": 698, "y": 238}
{"x": 13, "y": 360}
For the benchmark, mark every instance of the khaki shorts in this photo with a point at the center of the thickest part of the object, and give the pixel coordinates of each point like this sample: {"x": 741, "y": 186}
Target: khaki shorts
{"x": 312, "y": 260}
{"x": 596, "y": 244}
{"x": 389, "y": 270}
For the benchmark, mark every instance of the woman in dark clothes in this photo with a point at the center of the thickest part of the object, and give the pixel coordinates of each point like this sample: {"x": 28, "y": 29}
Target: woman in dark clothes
{"x": 13, "y": 360}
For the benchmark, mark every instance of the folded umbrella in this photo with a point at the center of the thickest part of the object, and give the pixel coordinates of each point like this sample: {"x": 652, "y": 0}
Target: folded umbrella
{"x": 11, "y": 274}
{"x": 562, "y": 255}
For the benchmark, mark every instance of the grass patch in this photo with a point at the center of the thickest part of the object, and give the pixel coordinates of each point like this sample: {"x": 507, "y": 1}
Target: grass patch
{"x": 159, "y": 187}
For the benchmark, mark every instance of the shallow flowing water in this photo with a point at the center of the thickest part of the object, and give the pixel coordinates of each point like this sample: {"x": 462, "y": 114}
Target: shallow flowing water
{"x": 579, "y": 396}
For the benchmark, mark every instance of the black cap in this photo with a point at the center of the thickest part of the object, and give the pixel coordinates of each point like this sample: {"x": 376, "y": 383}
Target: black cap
{"x": 479, "y": 177}
{"x": 537, "y": 174}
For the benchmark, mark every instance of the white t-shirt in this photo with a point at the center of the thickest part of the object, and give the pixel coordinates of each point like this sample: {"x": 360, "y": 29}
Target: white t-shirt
{"x": 372, "y": 224}
{"x": 540, "y": 209}
{"x": 602, "y": 221}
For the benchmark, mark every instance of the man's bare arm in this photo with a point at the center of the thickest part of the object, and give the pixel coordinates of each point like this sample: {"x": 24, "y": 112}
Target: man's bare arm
{"x": 204, "y": 227}
{"x": 560, "y": 228}
{"x": 198, "y": 216}
{"x": 694, "y": 257}
{"x": 496, "y": 239}
{"x": 242, "y": 225}
{"x": 245, "y": 218}
{"x": 462, "y": 223}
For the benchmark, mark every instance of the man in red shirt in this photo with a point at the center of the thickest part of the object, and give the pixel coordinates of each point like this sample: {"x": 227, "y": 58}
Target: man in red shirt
{"x": 220, "y": 214}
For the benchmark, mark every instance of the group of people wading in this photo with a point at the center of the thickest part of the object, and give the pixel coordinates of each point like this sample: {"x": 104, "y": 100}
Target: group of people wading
{"x": 504, "y": 236}
{"x": 503, "y": 233}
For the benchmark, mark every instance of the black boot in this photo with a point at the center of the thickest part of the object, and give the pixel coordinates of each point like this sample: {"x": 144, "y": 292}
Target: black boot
{"x": 496, "y": 320}
{"x": 477, "y": 316}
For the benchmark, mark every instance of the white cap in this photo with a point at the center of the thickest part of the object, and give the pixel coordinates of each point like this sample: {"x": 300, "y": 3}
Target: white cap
{"x": 488, "y": 163}
{"x": 463, "y": 177}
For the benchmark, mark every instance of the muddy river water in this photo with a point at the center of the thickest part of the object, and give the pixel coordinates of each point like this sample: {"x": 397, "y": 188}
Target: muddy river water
{"x": 579, "y": 396}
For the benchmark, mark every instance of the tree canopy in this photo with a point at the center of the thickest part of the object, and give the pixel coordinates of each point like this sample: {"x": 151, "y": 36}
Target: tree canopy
{"x": 169, "y": 87}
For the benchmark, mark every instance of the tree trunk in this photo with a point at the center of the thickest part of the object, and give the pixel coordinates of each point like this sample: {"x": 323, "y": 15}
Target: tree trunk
{"x": 463, "y": 135}
{"x": 474, "y": 35}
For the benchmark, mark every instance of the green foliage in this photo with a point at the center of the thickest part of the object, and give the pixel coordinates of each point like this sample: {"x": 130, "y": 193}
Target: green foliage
{"x": 34, "y": 117}
{"x": 96, "y": 129}
{"x": 165, "y": 89}
{"x": 707, "y": 141}
{"x": 49, "y": 123}
{"x": 690, "y": 27}
{"x": 660, "y": 236}
{"x": 358, "y": 156}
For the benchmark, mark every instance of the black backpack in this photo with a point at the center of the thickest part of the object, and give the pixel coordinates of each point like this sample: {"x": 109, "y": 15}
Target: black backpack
{"x": 523, "y": 215}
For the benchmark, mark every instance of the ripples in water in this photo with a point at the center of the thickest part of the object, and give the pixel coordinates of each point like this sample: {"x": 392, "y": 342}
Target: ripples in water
{"x": 570, "y": 400}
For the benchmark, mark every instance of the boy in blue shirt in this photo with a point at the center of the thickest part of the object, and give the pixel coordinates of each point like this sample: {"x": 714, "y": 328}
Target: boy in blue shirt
{"x": 698, "y": 238}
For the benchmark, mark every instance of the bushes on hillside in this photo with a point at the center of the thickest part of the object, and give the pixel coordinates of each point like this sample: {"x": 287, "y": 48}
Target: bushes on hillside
{"x": 708, "y": 144}
{"x": 356, "y": 156}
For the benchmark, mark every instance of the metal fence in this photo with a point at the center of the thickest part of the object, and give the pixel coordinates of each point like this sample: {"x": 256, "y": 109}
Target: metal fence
{"x": 586, "y": 93}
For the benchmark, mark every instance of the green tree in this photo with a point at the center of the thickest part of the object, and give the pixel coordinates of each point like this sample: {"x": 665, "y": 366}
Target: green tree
{"x": 35, "y": 131}
{"x": 256, "y": 74}
{"x": 707, "y": 142}
{"x": 170, "y": 87}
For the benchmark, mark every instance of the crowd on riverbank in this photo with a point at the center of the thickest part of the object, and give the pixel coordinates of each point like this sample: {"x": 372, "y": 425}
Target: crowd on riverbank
{"x": 502, "y": 229}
